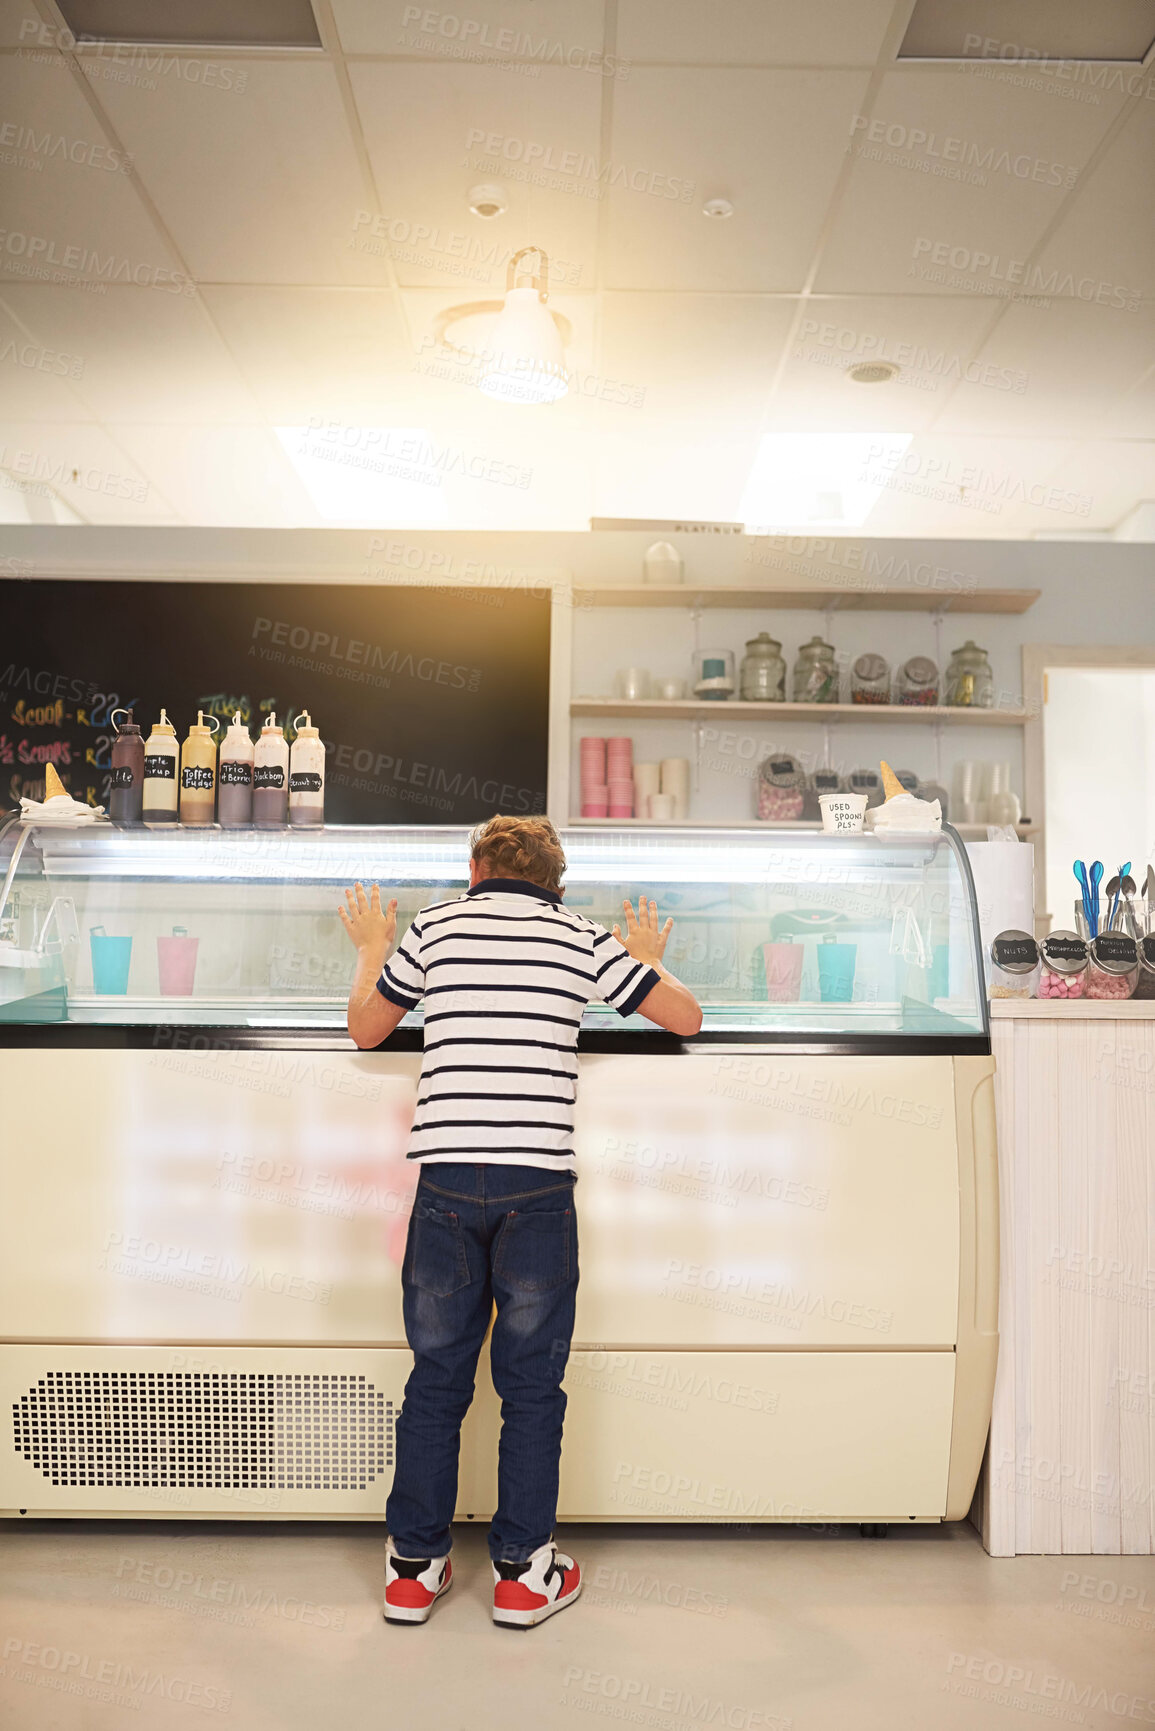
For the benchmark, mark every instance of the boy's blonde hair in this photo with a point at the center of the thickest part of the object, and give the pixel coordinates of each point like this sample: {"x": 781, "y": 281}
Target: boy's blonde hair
{"x": 519, "y": 847}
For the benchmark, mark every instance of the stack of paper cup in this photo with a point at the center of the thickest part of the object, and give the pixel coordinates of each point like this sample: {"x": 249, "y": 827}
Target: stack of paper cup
{"x": 675, "y": 781}
{"x": 595, "y": 790}
{"x": 620, "y": 776}
{"x": 647, "y": 781}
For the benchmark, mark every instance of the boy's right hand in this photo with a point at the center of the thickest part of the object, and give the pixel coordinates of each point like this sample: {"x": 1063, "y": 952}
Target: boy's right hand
{"x": 643, "y": 938}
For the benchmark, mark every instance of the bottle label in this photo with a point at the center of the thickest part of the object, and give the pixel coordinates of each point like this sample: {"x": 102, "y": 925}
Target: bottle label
{"x": 236, "y": 775}
{"x": 197, "y": 778}
{"x": 159, "y": 766}
{"x": 304, "y": 781}
{"x": 269, "y": 775}
{"x": 122, "y": 776}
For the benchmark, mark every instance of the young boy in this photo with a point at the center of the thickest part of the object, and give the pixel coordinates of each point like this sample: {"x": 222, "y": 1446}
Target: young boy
{"x": 505, "y": 971}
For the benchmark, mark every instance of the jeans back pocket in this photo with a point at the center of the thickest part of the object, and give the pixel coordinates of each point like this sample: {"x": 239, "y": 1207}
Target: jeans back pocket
{"x": 437, "y": 1258}
{"x": 537, "y": 1251}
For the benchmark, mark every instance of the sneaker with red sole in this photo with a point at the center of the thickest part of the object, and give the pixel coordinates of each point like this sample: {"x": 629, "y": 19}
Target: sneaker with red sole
{"x": 413, "y": 1585}
{"x": 528, "y": 1593}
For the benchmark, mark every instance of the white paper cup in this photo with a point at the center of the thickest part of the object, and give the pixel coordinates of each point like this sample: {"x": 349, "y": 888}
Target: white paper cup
{"x": 647, "y": 780}
{"x": 660, "y": 807}
{"x": 842, "y": 813}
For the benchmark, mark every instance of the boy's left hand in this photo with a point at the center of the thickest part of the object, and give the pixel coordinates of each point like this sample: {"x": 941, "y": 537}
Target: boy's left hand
{"x": 644, "y": 939}
{"x": 369, "y": 927}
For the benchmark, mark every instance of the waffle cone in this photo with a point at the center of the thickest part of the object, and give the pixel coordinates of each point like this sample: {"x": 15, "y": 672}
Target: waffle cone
{"x": 53, "y": 786}
{"x": 890, "y": 782}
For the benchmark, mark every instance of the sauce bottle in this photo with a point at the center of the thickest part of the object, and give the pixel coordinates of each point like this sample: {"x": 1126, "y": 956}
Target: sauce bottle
{"x": 198, "y": 772}
{"x": 306, "y": 774}
{"x": 235, "y": 801}
{"x": 126, "y": 791}
{"x": 271, "y": 777}
{"x": 160, "y": 778}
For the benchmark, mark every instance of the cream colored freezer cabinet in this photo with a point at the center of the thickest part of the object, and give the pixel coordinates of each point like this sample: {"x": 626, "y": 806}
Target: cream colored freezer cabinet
{"x": 789, "y": 1235}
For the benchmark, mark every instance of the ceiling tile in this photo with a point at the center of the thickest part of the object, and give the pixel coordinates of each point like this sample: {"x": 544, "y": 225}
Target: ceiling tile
{"x": 71, "y": 211}
{"x": 931, "y": 342}
{"x": 37, "y": 377}
{"x": 323, "y": 351}
{"x": 541, "y": 32}
{"x": 1109, "y": 477}
{"x": 226, "y": 475}
{"x": 1104, "y": 245}
{"x": 143, "y": 353}
{"x": 690, "y": 356}
{"x": 1060, "y": 367}
{"x": 109, "y": 485}
{"x": 433, "y": 132}
{"x": 754, "y": 32}
{"x": 770, "y": 142}
{"x": 257, "y": 180}
{"x": 967, "y": 486}
{"x": 952, "y": 176}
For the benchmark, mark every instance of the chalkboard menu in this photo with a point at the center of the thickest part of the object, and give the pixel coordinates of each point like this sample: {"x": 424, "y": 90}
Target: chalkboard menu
{"x": 433, "y": 703}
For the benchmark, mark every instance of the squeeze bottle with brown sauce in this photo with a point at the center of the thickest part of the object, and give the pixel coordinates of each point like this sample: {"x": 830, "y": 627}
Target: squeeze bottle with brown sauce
{"x": 198, "y": 772}
{"x": 306, "y": 774}
{"x": 235, "y": 777}
{"x": 126, "y": 792}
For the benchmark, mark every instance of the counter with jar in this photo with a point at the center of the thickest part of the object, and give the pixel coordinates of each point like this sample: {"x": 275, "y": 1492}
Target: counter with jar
{"x": 789, "y": 1223}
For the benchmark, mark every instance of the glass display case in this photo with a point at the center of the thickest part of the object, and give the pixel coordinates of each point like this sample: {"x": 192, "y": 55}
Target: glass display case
{"x": 781, "y": 935}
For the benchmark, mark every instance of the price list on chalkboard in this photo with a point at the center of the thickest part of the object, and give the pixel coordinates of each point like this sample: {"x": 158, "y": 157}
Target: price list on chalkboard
{"x": 433, "y": 704}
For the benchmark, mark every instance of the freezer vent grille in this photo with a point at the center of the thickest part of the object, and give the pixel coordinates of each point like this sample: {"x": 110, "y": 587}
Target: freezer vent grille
{"x": 205, "y": 1430}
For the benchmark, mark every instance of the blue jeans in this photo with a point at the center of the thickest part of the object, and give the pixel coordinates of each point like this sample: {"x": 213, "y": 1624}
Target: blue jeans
{"x": 482, "y": 1235}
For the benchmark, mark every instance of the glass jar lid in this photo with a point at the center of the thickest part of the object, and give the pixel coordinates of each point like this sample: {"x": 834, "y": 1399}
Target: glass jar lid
{"x": 1115, "y": 952}
{"x": 781, "y": 770}
{"x": 763, "y": 644}
{"x": 870, "y": 668}
{"x": 920, "y": 670}
{"x": 1064, "y": 952}
{"x": 970, "y": 652}
{"x": 816, "y": 650}
{"x": 1015, "y": 952}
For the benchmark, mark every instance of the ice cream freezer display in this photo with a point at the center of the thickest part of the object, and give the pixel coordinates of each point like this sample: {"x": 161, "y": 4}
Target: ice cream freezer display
{"x": 789, "y": 1234}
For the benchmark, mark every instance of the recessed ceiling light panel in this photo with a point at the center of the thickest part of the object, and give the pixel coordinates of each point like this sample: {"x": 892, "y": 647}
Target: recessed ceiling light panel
{"x": 872, "y": 372}
{"x": 1021, "y": 31}
{"x": 194, "y": 23}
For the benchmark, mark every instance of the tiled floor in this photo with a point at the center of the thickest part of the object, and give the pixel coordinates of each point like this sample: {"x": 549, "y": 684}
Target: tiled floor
{"x": 275, "y": 1627}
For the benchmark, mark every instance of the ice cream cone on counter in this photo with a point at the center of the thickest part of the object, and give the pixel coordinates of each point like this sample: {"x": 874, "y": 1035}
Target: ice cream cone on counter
{"x": 892, "y": 787}
{"x": 902, "y": 813}
{"x": 58, "y": 806}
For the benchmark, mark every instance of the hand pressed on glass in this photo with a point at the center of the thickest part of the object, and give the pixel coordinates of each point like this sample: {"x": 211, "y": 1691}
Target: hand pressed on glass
{"x": 644, "y": 940}
{"x": 369, "y": 927}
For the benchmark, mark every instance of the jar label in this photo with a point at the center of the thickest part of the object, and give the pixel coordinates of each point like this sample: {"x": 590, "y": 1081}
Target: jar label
{"x": 269, "y": 775}
{"x": 781, "y": 766}
{"x": 304, "y": 781}
{"x": 1116, "y": 947}
{"x": 122, "y": 775}
{"x": 160, "y": 766}
{"x": 236, "y": 774}
{"x": 200, "y": 779}
{"x": 1015, "y": 952}
{"x": 1148, "y": 949}
{"x": 1064, "y": 949}
{"x": 825, "y": 783}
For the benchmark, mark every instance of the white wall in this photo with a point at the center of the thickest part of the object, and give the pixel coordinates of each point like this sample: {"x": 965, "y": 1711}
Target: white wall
{"x": 1092, "y": 592}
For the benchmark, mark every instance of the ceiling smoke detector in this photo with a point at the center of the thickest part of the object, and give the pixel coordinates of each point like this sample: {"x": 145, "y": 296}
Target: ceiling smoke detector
{"x": 872, "y": 372}
{"x": 487, "y": 202}
{"x": 718, "y": 208}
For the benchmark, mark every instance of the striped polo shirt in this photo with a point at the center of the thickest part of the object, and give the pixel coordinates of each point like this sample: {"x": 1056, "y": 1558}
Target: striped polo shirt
{"x": 506, "y": 971}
